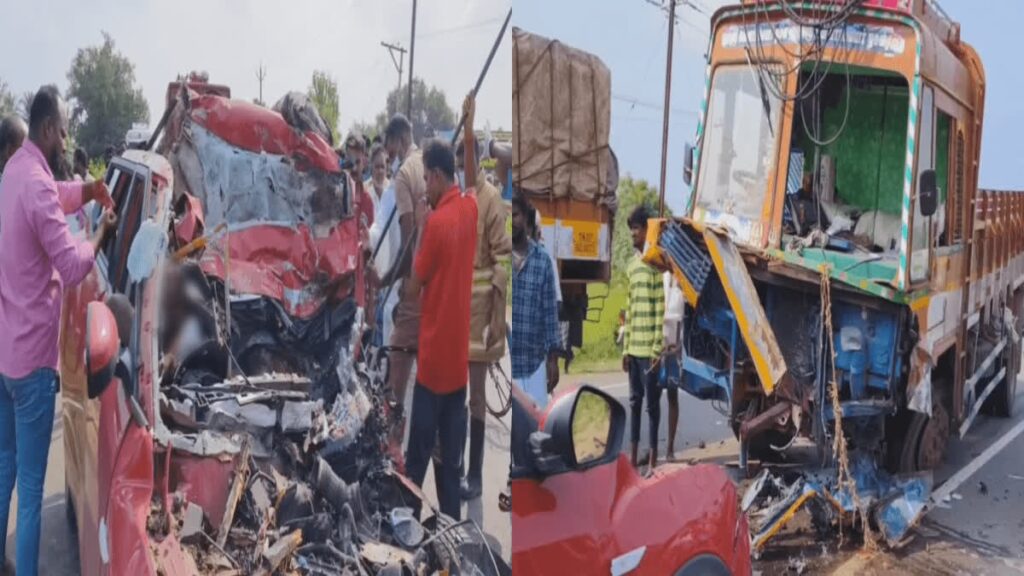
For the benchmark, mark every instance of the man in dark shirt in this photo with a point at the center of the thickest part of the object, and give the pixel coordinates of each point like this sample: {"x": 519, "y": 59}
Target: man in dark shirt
{"x": 443, "y": 276}
{"x": 536, "y": 339}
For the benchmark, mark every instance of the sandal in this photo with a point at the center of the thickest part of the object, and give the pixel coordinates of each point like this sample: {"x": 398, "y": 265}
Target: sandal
{"x": 505, "y": 499}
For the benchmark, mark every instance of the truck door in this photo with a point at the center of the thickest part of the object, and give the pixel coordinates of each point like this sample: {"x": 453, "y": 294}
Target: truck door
{"x": 921, "y": 240}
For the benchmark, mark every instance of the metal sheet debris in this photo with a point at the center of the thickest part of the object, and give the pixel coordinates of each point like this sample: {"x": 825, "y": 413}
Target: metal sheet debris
{"x": 895, "y": 503}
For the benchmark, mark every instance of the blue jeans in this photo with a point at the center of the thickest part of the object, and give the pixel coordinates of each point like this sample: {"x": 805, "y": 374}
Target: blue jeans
{"x": 26, "y": 424}
{"x": 435, "y": 415}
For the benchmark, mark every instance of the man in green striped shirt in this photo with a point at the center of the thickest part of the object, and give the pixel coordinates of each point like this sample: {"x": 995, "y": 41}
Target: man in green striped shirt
{"x": 641, "y": 352}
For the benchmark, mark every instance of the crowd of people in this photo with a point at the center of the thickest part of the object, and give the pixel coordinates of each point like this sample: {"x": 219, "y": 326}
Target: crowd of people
{"x": 649, "y": 335}
{"x": 437, "y": 256}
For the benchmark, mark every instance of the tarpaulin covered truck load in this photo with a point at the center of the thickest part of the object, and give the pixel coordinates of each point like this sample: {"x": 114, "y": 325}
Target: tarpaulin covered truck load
{"x": 561, "y": 114}
{"x": 846, "y": 278}
{"x": 220, "y": 417}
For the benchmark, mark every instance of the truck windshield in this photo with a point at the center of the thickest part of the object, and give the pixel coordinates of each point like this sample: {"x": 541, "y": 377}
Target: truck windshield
{"x": 739, "y": 145}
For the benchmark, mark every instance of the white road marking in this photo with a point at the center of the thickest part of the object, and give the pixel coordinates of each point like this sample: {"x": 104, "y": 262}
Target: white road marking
{"x": 946, "y": 489}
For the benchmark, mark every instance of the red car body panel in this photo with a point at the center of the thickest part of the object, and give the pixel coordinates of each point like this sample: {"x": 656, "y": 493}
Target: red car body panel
{"x": 259, "y": 129}
{"x": 131, "y": 491}
{"x": 80, "y": 418}
{"x": 578, "y": 522}
{"x": 279, "y": 263}
{"x": 202, "y": 480}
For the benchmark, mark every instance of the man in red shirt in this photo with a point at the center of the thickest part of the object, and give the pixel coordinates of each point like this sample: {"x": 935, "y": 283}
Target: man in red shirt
{"x": 443, "y": 274}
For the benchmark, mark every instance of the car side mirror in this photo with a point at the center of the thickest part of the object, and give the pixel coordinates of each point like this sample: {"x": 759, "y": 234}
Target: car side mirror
{"x": 688, "y": 164}
{"x": 582, "y": 430}
{"x": 928, "y": 194}
{"x": 102, "y": 345}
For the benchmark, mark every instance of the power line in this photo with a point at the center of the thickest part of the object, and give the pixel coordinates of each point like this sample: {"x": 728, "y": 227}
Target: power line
{"x": 690, "y": 4}
{"x": 636, "y": 102}
{"x": 679, "y": 19}
{"x": 470, "y": 26}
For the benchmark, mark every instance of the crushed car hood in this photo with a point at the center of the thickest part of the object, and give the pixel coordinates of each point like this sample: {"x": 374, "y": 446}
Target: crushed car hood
{"x": 278, "y": 209}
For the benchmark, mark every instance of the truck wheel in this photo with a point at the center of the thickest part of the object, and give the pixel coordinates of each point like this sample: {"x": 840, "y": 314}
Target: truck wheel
{"x": 1001, "y": 402}
{"x": 921, "y": 444}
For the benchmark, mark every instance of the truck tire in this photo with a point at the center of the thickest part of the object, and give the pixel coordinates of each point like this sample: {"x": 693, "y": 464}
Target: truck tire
{"x": 704, "y": 565}
{"x": 918, "y": 442}
{"x": 1001, "y": 402}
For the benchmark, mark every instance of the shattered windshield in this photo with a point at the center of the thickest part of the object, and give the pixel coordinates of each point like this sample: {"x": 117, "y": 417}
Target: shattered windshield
{"x": 739, "y": 145}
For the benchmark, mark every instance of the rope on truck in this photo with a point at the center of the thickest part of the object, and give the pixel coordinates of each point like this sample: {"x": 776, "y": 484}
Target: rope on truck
{"x": 839, "y": 447}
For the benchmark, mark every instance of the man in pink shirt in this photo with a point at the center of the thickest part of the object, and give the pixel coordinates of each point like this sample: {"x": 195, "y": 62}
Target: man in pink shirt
{"x": 38, "y": 259}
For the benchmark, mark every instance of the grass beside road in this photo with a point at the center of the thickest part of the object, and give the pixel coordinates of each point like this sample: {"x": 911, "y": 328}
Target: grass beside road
{"x": 600, "y": 353}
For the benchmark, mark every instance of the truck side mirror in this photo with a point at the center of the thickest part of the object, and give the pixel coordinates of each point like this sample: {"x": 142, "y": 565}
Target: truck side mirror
{"x": 928, "y": 193}
{"x": 688, "y": 164}
{"x": 102, "y": 345}
{"x": 582, "y": 430}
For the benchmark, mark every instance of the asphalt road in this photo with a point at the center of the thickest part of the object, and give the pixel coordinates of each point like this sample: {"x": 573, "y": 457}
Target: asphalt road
{"x": 980, "y": 530}
{"x": 59, "y": 548}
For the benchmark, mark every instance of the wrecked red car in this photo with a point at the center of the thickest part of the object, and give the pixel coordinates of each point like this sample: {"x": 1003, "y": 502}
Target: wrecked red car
{"x": 220, "y": 415}
{"x": 579, "y": 507}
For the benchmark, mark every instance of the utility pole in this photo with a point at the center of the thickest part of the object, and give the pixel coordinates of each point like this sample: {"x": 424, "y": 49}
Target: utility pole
{"x": 399, "y": 63}
{"x": 412, "y": 51}
{"x": 668, "y": 103}
{"x": 261, "y": 73}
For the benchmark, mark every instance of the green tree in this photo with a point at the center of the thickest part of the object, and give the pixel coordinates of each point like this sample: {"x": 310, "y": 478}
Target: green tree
{"x": 25, "y": 104}
{"x": 8, "y": 104}
{"x": 430, "y": 110}
{"x": 105, "y": 99}
{"x": 323, "y": 92}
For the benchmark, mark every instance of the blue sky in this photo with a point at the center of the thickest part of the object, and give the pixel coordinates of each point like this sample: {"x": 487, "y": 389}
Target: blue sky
{"x": 630, "y": 36}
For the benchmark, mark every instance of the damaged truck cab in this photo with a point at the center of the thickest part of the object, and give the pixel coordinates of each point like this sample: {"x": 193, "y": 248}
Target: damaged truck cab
{"x": 835, "y": 233}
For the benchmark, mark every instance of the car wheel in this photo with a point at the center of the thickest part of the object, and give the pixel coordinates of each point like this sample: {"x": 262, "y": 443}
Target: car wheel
{"x": 704, "y": 565}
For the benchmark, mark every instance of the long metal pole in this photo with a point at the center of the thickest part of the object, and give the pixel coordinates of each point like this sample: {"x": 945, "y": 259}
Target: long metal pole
{"x": 668, "y": 101}
{"x": 412, "y": 51}
{"x": 462, "y": 122}
{"x": 483, "y": 73}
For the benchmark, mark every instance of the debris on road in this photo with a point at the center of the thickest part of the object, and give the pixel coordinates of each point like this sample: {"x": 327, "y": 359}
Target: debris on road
{"x": 894, "y": 503}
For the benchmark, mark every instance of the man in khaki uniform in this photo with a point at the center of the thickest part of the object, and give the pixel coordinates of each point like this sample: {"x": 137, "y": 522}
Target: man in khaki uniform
{"x": 411, "y": 203}
{"x": 487, "y": 313}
